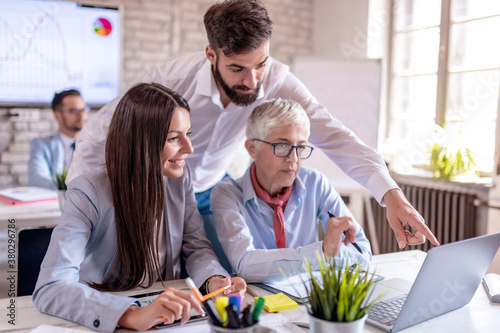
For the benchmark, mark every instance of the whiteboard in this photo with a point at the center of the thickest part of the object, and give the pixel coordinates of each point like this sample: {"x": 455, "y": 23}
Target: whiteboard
{"x": 50, "y": 46}
{"x": 350, "y": 90}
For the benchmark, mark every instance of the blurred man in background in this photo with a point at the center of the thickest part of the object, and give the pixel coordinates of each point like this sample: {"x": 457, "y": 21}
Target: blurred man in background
{"x": 52, "y": 154}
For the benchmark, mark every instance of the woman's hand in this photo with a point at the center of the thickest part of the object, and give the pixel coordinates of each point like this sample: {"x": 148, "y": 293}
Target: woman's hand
{"x": 171, "y": 305}
{"x": 238, "y": 286}
{"x": 333, "y": 235}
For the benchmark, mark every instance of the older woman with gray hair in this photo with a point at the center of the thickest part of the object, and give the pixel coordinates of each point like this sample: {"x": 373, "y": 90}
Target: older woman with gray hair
{"x": 267, "y": 220}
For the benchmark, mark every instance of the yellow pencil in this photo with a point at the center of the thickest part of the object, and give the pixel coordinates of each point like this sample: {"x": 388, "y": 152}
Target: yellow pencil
{"x": 195, "y": 290}
{"x": 213, "y": 293}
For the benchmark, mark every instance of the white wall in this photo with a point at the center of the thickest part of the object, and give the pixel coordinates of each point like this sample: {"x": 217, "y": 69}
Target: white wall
{"x": 340, "y": 28}
{"x": 339, "y": 33}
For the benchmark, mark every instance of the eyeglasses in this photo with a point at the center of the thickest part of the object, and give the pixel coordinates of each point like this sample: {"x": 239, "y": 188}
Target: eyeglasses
{"x": 76, "y": 111}
{"x": 284, "y": 149}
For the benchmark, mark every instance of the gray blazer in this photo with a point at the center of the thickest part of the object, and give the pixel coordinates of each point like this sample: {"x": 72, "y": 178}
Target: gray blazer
{"x": 84, "y": 245}
{"x": 46, "y": 159}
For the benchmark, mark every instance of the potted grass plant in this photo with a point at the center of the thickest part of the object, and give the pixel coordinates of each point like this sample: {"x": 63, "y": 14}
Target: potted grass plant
{"x": 449, "y": 156}
{"x": 451, "y": 162}
{"x": 338, "y": 296}
{"x": 60, "y": 182}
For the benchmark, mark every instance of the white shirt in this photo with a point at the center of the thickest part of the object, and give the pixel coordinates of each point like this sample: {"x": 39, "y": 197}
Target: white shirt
{"x": 218, "y": 132}
{"x": 68, "y": 149}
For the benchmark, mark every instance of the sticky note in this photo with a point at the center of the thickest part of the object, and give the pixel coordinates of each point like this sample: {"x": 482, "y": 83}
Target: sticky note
{"x": 278, "y": 302}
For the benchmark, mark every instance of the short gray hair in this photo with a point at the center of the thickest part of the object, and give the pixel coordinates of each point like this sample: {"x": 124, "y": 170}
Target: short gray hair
{"x": 275, "y": 113}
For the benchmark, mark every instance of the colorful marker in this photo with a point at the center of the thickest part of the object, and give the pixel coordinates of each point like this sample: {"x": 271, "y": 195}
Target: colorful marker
{"x": 220, "y": 305}
{"x": 236, "y": 300}
{"x": 259, "y": 305}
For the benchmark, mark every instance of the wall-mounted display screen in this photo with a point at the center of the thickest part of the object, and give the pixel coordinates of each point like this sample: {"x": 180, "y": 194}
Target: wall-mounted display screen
{"x": 50, "y": 46}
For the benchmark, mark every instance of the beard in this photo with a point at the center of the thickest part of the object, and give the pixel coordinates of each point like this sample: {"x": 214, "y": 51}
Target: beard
{"x": 72, "y": 127}
{"x": 231, "y": 92}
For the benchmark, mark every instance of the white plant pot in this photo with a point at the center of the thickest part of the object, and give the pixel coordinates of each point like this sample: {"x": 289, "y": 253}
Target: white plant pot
{"x": 324, "y": 326}
{"x": 251, "y": 329}
{"x": 61, "y": 195}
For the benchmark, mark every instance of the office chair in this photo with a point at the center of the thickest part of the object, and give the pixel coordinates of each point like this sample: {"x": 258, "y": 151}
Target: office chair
{"x": 33, "y": 244}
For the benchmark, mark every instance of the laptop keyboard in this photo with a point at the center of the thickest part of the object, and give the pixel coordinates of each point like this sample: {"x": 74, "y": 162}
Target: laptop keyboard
{"x": 386, "y": 313}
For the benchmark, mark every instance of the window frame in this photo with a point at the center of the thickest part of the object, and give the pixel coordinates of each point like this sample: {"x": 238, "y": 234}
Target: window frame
{"x": 443, "y": 73}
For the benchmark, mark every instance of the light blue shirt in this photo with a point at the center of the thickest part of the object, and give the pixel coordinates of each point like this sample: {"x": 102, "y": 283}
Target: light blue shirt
{"x": 46, "y": 160}
{"x": 244, "y": 225}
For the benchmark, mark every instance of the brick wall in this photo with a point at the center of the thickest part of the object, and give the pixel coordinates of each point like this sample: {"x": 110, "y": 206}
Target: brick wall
{"x": 153, "y": 30}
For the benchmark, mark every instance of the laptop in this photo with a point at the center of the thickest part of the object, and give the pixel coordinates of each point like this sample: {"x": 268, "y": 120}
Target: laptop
{"x": 447, "y": 280}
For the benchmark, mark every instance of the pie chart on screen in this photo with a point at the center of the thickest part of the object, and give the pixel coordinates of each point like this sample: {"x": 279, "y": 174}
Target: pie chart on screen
{"x": 102, "y": 26}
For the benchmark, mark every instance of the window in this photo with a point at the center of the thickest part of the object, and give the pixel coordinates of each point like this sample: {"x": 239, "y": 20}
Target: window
{"x": 443, "y": 60}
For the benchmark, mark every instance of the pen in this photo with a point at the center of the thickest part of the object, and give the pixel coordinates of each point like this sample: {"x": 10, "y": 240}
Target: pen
{"x": 353, "y": 243}
{"x": 257, "y": 309}
{"x": 213, "y": 293}
{"x": 247, "y": 317}
{"x": 212, "y": 312}
{"x": 233, "y": 320}
{"x": 194, "y": 290}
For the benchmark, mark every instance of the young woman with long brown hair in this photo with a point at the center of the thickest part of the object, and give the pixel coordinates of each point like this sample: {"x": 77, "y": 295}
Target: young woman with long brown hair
{"x": 127, "y": 223}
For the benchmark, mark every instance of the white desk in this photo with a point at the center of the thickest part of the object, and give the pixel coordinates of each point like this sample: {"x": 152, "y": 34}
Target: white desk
{"x": 40, "y": 214}
{"x": 478, "y": 316}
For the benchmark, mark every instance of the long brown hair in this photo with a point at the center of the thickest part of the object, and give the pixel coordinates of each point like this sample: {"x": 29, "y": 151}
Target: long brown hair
{"x": 136, "y": 137}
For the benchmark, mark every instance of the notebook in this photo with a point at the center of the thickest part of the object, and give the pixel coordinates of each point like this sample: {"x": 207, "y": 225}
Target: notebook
{"x": 447, "y": 280}
{"x": 147, "y": 298}
{"x": 27, "y": 194}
